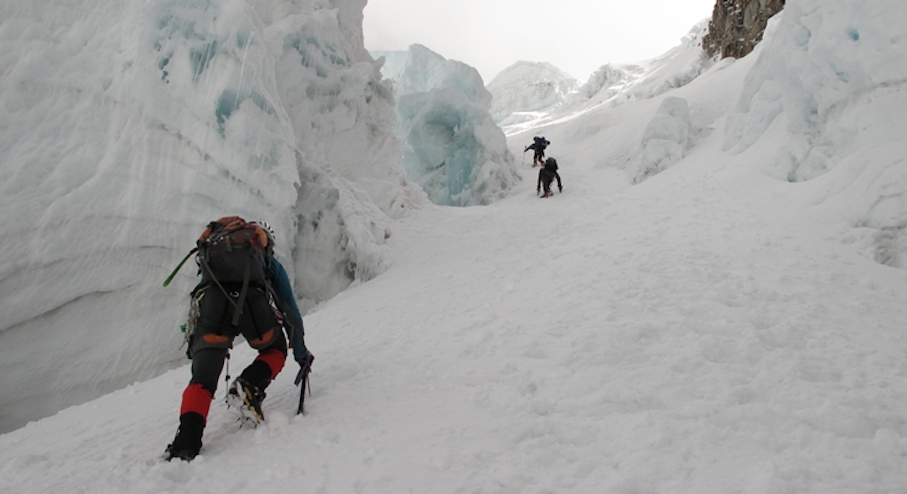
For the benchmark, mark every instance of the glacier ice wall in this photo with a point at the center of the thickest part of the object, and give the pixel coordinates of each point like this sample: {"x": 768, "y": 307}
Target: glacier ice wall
{"x": 124, "y": 130}
{"x": 811, "y": 71}
{"x": 827, "y": 90}
{"x": 451, "y": 145}
{"x": 666, "y": 138}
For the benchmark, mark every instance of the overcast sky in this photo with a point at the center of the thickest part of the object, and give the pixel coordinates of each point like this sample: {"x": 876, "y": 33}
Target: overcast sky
{"x": 577, "y": 36}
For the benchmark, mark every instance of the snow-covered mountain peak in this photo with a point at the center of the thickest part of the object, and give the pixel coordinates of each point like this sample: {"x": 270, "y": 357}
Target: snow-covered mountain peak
{"x": 612, "y": 84}
{"x": 527, "y": 87}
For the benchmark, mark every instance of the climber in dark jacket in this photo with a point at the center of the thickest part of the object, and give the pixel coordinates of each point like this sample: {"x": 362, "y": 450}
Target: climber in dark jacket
{"x": 539, "y": 145}
{"x": 548, "y": 174}
{"x": 213, "y": 334}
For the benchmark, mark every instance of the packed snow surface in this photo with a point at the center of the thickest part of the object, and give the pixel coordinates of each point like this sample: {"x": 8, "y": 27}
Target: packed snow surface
{"x": 721, "y": 326}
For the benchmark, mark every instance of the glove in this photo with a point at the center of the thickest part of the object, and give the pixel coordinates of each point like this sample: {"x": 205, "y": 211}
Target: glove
{"x": 305, "y": 359}
{"x": 305, "y": 366}
{"x": 303, "y": 356}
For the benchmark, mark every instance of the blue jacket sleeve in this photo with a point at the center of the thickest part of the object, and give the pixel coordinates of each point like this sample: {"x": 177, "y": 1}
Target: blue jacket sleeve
{"x": 281, "y": 284}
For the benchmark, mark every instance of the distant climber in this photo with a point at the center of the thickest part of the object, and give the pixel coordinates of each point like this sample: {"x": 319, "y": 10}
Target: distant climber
{"x": 548, "y": 174}
{"x": 539, "y": 145}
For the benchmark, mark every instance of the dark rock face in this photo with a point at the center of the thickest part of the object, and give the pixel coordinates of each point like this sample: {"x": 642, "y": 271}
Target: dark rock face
{"x": 737, "y": 26}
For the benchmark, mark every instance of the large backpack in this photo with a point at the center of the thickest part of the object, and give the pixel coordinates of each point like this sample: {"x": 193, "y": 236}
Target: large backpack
{"x": 231, "y": 251}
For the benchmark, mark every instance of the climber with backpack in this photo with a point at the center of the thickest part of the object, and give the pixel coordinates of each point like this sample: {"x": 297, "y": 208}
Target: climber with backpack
{"x": 244, "y": 290}
{"x": 547, "y": 175}
{"x": 539, "y": 144}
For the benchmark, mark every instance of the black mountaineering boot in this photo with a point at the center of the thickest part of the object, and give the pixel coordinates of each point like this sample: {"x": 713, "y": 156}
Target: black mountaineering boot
{"x": 188, "y": 440}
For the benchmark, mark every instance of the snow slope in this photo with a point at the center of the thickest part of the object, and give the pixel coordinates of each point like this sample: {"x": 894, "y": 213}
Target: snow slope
{"x": 714, "y": 328}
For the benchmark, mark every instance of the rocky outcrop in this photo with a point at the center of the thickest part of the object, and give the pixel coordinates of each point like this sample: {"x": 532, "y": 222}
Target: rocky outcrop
{"x": 737, "y": 26}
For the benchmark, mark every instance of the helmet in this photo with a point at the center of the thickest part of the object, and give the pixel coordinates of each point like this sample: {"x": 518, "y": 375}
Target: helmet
{"x": 268, "y": 231}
